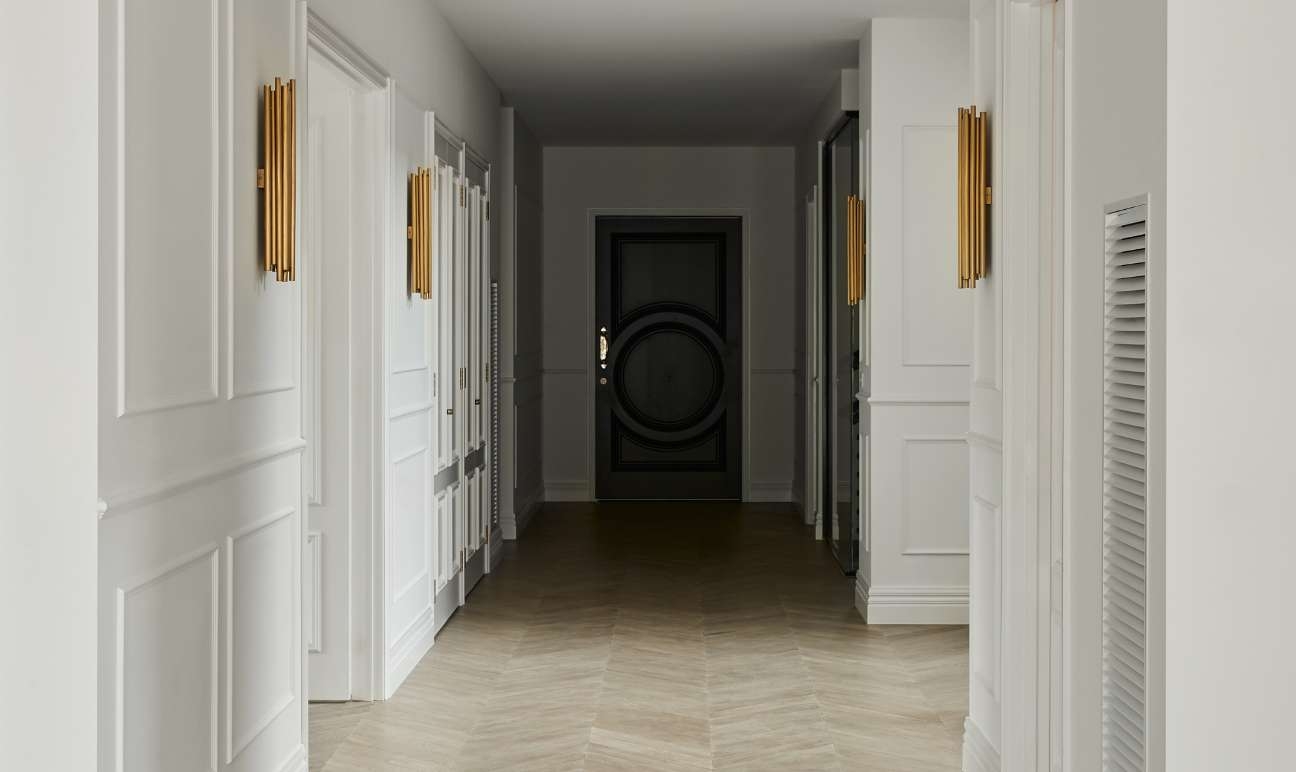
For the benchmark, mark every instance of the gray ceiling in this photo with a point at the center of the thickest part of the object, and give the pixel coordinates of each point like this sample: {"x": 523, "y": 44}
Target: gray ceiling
{"x": 670, "y": 72}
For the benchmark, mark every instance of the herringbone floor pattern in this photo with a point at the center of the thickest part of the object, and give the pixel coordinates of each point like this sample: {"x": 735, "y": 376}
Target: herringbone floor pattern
{"x": 664, "y": 637}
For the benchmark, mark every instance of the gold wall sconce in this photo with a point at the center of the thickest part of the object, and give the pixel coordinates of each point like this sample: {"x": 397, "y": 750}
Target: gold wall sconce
{"x": 856, "y": 250}
{"x": 974, "y": 195}
{"x": 419, "y": 233}
{"x": 278, "y": 178}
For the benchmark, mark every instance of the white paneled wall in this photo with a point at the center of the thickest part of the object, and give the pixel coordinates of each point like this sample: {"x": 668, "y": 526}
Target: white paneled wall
{"x": 919, "y": 339}
{"x": 200, "y": 637}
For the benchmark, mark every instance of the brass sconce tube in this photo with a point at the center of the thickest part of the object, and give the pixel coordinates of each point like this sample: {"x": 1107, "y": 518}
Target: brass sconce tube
{"x": 850, "y": 250}
{"x": 419, "y": 233}
{"x": 856, "y": 249}
{"x": 278, "y": 179}
{"x": 861, "y": 249}
{"x": 974, "y": 196}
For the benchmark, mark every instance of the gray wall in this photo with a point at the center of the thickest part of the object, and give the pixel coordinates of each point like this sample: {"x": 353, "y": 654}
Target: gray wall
{"x": 521, "y": 188}
{"x": 757, "y": 179}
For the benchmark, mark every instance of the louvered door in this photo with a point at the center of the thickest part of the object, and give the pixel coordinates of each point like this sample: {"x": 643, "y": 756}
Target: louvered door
{"x": 1124, "y": 621}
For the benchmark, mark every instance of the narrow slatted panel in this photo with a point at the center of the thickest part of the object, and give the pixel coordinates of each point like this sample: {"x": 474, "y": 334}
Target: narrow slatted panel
{"x": 494, "y": 404}
{"x": 1125, "y": 493}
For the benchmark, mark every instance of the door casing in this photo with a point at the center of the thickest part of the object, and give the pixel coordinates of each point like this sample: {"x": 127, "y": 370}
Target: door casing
{"x": 367, "y": 544}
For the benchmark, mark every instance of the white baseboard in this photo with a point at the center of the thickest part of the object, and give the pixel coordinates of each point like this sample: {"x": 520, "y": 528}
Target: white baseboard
{"x": 296, "y": 761}
{"x": 917, "y": 605}
{"x": 568, "y": 490}
{"x": 861, "y": 596}
{"x": 978, "y": 754}
{"x": 777, "y": 490}
{"x": 516, "y": 523}
{"x": 409, "y": 652}
{"x": 495, "y": 549}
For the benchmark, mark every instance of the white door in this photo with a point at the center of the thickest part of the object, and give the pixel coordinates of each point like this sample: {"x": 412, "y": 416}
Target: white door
{"x": 447, "y": 391}
{"x": 474, "y": 483}
{"x": 200, "y": 546}
{"x": 330, "y": 208}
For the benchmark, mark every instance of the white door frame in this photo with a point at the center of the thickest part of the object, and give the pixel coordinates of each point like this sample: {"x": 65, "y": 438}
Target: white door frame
{"x": 591, "y": 323}
{"x": 368, "y": 666}
{"x": 1031, "y": 266}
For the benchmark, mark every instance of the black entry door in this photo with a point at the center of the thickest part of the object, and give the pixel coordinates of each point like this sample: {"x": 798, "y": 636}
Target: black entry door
{"x": 668, "y": 357}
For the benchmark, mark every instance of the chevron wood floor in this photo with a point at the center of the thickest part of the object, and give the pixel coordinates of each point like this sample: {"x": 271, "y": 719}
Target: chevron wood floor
{"x": 664, "y": 637}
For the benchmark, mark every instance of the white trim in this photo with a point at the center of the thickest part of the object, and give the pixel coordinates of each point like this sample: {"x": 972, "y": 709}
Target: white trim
{"x": 375, "y": 86}
{"x": 125, "y": 501}
{"x": 862, "y": 596}
{"x": 331, "y": 44}
{"x": 898, "y": 400}
{"x": 568, "y": 490}
{"x": 415, "y": 642}
{"x": 770, "y": 490}
{"x": 978, "y": 754}
{"x": 591, "y": 323}
{"x": 517, "y": 521}
{"x": 979, "y": 440}
{"x": 900, "y": 605}
{"x": 1031, "y": 274}
{"x": 315, "y": 551}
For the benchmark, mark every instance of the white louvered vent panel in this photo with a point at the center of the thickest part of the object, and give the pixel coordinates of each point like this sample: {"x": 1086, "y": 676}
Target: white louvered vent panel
{"x": 1125, "y": 493}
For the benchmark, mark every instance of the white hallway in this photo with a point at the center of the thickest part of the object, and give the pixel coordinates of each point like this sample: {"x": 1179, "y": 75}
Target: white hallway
{"x": 342, "y": 514}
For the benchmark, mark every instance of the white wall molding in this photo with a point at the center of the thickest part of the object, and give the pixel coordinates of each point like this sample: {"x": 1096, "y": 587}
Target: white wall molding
{"x": 978, "y": 440}
{"x": 770, "y": 490}
{"x": 894, "y": 400}
{"x": 237, "y": 738}
{"x": 312, "y": 604}
{"x": 296, "y": 760}
{"x": 862, "y": 596}
{"x": 409, "y": 650}
{"x": 978, "y": 754}
{"x": 342, "y": 53}
{"x": 530, "y": 507}
{"x": 899, "y": 605}
{"x": 568, "y": 490}
{"x": 168, "y": 488}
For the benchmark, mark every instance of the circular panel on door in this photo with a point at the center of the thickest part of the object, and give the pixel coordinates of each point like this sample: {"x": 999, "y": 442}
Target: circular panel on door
{"x": 668, "y": 377}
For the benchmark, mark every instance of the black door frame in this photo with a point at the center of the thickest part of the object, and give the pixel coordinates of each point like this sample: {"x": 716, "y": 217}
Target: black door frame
{"x": 831, "y": 299}
{"x": 591, "y": 325}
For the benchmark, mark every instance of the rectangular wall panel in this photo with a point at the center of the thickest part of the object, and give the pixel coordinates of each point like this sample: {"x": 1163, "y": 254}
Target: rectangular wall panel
{"x": 935, "y": 319}
{"x": 934, "y": 515}
{"x": 169, "y": 114}
{"x": 263, "y": 670}
{"x": 166, "y": 676}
